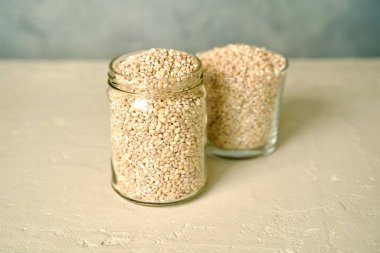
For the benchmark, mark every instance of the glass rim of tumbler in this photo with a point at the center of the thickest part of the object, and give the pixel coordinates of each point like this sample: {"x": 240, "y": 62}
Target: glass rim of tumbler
{"x": 274, "y": 74}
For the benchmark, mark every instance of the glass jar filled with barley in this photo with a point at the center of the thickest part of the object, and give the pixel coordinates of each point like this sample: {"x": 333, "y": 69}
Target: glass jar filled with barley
{"x": 158, "y": 121}
{"x": 244, "y": 87}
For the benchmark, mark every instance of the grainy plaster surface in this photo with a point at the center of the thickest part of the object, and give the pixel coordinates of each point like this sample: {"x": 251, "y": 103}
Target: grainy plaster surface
{"x": 319, "y": 192}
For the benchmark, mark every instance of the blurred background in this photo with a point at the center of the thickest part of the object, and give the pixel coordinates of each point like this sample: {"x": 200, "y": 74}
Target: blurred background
{"x": 103, "y": 29}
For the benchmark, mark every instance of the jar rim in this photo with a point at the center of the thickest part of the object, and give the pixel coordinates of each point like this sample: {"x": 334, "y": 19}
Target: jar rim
{"x": 125, "y": 56}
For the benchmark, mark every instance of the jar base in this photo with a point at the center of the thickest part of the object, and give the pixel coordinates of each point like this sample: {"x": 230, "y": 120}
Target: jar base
{"x": 214, "y": 151}
{"x": 158, "y": 204}
{"x": 153, "y": 203}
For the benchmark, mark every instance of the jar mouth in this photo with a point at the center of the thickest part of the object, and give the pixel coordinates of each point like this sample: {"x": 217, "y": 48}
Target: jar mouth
{"x": 120, "y": 58}
{"x": 137, "y": 85}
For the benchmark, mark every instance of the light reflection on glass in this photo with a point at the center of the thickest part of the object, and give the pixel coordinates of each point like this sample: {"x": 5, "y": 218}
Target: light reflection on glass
{"x": 140, "y": 104}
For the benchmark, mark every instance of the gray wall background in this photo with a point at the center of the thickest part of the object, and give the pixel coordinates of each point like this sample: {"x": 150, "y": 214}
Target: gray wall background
{"x": 104, "y": 29}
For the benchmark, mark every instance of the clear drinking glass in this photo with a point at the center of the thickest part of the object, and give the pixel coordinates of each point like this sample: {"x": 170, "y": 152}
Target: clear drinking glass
{"x": 243, "y": 114}
{"x": 157, "y": 135}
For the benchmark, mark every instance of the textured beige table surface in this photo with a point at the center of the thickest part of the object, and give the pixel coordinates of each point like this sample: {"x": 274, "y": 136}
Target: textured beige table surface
{"x": 319, "y": 192}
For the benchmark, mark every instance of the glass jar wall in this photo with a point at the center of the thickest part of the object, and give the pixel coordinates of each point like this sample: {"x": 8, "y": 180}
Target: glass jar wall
{"x": 157, "y": 134}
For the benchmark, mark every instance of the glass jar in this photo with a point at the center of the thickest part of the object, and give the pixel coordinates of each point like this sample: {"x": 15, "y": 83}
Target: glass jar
{"x": 157, "y": 135}
{"x": 243, "y": 114}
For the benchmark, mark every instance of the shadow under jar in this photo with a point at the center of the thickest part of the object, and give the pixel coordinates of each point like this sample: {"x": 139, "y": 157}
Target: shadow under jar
{"x": 243, "y": 114}
{"x": 157, "y": 135}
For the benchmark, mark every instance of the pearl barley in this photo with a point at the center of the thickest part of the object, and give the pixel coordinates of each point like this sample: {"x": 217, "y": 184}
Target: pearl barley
{"x": 158, "y": 120}
{"x": 244, "y": 87}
